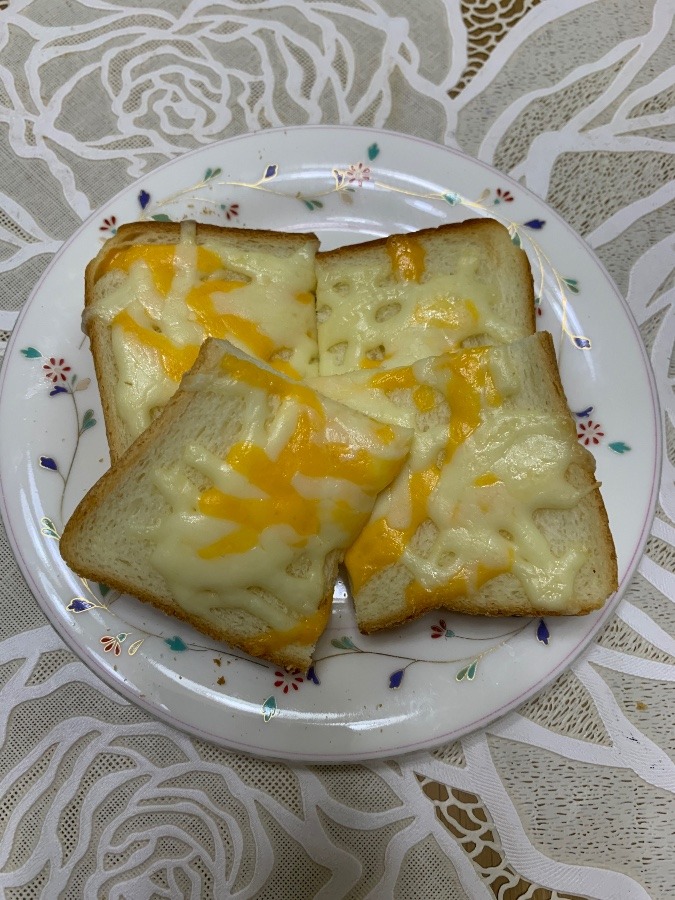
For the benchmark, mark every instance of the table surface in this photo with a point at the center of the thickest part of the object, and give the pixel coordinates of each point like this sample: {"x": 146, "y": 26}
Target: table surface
{"x": 572, "y": 794}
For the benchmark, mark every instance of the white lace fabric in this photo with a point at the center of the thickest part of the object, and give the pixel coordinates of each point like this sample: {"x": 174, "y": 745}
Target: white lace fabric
{"x": 573, "y": 795}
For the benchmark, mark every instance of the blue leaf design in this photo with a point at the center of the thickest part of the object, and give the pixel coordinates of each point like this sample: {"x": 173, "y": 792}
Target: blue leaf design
{"x": 144, "y": 199}
{"x": 175, "y": 643}
{"x": 313, "y": 204}
{"x": 312, "y": 676}
{"x": 515, "y": 239}
{"x": 373, "y": 152}
{"x": 452, "y": 198}
{"x": 269, "y": 709}
{"x": 619, "y": 447}
{"x": 79, "y": 604}
{"x": 461, "y": 675}
{"x": 88, "y": 420}
{"x": 582, "y": 342}
{"x": 58, "y": 389}
{"x": 396, "y": 678}
{"x": 542, "y": 632}
{"x": 343, "y": 643}
{"x": 211, "y": 173}
{"x": 535, "y": 223}
{"x": 48, "y": 528}
{"x": 46, "y": 462}
{"x": 160, "y": 217}
{"x": 104, "y": 589}
{"x": 584, "y": 413}
{"x": 468, "y": 672}
{"x": 270, "y": 172}
{"x": 31, "y": 353}
{"x": 449, "y": 633}
{"x": 572, "y": 284}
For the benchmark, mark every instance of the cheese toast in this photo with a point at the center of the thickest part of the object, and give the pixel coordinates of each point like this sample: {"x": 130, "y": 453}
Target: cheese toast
{"x": 234, "y": 507}
{"x": 389, "y": 302}
{"x": 497, "y": 511}
{"x": 157, "y": 290}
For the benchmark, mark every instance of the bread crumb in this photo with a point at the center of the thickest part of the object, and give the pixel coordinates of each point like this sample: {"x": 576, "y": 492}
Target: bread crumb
{"x": 217, "y": 660}
{"x": 221, "y": 680}
{"x": 640, "y": 705}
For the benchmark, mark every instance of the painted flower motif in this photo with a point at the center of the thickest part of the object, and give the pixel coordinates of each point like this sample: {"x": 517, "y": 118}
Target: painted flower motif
{"x": 357, "y": 173}
{"x": 441, "y": 630}
{"x": 231, "y": 210}
{"x": 288, "y": 681}
{"x": 505, "y": 196}
{"x": 56, "y": 369}
{"x": 590, "y": 432}
{"x": 113, "y": 644}
{"x": 109, "y": 224}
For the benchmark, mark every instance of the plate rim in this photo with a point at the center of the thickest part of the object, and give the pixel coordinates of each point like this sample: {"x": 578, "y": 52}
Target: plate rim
{"x": 133, "y": 692}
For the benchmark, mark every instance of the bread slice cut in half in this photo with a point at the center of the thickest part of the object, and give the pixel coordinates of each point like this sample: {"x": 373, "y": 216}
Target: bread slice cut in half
{"x": 497, "y": 511}
{"x": 234, "y": 507}
{"x": 389, "y": 302}
{"x": 157, "y": 290}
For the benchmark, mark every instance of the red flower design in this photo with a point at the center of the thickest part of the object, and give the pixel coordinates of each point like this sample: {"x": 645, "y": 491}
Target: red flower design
{"x": 590, "y": 432}
{"x": 109, "y": 224}
{"x": 506, "y": 196}
{"x": 55, "y": 370}
{"x": 231, "y": 210}
{"x": 439, "y": 630}
{"x": 288, "y": 681}
{"x": 111, "y": 643}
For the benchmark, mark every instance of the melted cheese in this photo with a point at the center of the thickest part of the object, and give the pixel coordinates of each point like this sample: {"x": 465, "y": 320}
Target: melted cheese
{"x": 298, "y": 483}
{"x": 172, "y": 297}
{"x": 398, "y": 309}
{"x": 407, "y": 257}
{"x": 462, "y": 511}
{"x": 306, "y": 633}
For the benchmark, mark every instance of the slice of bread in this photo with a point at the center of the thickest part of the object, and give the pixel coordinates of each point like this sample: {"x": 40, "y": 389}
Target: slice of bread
{"x": 233, "y": 509}
{"x": 389, "y": 302}
{"x": 497, "y": 511}
{"x": 157, "y": 289}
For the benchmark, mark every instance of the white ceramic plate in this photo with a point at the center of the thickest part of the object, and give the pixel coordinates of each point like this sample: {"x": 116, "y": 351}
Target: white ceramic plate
{"x": 423, "y": 684}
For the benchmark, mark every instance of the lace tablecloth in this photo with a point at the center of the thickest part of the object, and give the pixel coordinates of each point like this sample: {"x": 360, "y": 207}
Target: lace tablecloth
{"x": 573, "y": 794}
